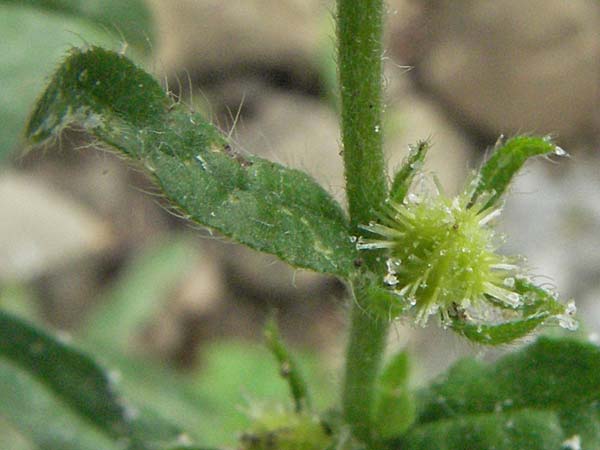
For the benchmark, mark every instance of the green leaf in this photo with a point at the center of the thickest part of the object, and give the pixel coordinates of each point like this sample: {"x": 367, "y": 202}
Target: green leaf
{"x": 536, "y": 398}
{"x": 139, "y": 293}
{"x": 411, "y": 166}
{"x": 288, "y": 368}
{"x": 253, "y": 201}
{"x": 34, "y": 36}
{"x": 72, "y": 375}
{"x": 42, "y": 417}
{"x": 395, "y": 407}
{"x": 497, "y": 173}
{"x": 540, "y": 306}
{"x": 82, "y": 384}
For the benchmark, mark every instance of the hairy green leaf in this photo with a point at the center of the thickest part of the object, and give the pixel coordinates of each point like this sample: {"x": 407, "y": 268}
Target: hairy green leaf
{"x": 536, "y": 398}
{"x": 256, "y": 202}
{"x": 34, "y": 35}
{"x": 395, "y": 406}
{"x": 411, "y": 166}
{"x": 497, "y": 173}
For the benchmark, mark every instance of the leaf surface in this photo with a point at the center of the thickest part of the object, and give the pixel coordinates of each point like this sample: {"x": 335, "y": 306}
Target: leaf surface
{"x": 256, "y": 202}
{"x": 81, "y": 384}
{"x": 34, "y": 36}
{"x": 537, "y": 398}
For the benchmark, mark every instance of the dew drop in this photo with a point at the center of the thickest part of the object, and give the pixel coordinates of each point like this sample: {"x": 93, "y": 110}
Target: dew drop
{"x": 567, "y": 319}
{"x": 353, "y": 239}
{"x": 390, "y": 279}
{"x": 509, "y": 282}
{"x": 559, "y": 151}
{"x": 377, "y": 129}
{"x": 412, "y": 197}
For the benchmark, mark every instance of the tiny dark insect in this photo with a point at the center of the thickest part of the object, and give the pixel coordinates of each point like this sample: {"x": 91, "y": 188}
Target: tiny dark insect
{"x": 358, "y": 262}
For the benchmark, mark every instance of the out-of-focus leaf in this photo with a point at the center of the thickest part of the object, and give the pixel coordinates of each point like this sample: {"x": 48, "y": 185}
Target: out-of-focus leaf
{"x": 72, "y": 375}
{"x": 139, "y": 293}
{"x": 256, "y": 202}
{"x": 34, "y": 36}
{"x": 130, "y": 19}
{"x": 43, "y": 417}
{"x": 537, "y": 398}
{"x": 395, "y": 410}
{"x": 240, "y": 378}
{"x": 79, "y": 382}
{"x": 11, "y": 438}
{"x": 505, "y": 162}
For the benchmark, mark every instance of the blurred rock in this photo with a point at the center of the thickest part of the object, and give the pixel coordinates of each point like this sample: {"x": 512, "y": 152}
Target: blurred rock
{"x": 552, "y": 218}
{"x": 414, "y": 118}
{"x": 42, "y": 231}
{"x": 508, "y": 66}
{"x": 212, "y": 37}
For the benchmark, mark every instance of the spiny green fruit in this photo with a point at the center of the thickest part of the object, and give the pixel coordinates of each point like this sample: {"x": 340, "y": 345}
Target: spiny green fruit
{"x": 442, "y": 255}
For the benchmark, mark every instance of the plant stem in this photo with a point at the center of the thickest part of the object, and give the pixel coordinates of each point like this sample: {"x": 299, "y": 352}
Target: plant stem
{"x": 363, "y": 359}
{"x": 360, "y": 29}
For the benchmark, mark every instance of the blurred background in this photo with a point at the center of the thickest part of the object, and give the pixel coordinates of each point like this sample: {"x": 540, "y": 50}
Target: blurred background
{"x": 84, "y": 248}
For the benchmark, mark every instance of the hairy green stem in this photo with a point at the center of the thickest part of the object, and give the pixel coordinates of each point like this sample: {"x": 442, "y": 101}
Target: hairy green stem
{"x": 360, "y": 29}
{"x": 363, "y": 359}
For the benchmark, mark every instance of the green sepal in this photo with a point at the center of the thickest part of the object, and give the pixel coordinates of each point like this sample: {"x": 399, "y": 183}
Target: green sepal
{"x": 497, "y": 173}
{"x": 254, "y": 201}
{"x": 539, "y": 307}
{"x": 410, "y": 167}
{"x": 395, "y": 409}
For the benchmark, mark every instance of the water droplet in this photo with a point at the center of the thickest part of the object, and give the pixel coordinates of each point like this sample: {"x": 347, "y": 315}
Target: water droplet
{"x": 571, "y": 308}
{"x": 412, "y": 198}
{"x": 393, "y": 264}
{"x": 377, "y": 129}
{"x": 390, "y": 279}
{"x": 567, "y": 319}
{"x": 509, "y": 282}
{"x": 559, "y": 151}
{"x": 353, "y": 239}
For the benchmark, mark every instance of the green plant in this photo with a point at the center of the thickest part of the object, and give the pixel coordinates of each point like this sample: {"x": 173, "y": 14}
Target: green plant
{"x": 405, "y": 251}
